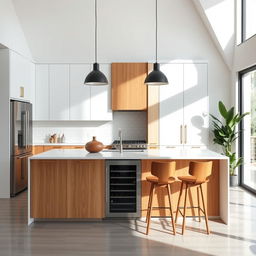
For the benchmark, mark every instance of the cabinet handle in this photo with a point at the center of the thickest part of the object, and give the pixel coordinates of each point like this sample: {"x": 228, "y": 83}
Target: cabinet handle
{"x": 181, "y": 134}
{"x": 185, "y": 128}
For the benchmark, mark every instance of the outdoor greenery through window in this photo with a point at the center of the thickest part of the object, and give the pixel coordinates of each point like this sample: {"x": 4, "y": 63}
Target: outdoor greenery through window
{"x": 248, "y": 19}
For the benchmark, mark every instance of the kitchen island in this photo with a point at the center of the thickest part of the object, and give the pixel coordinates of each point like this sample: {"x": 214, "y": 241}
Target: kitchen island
{"x": 70, "y": 184}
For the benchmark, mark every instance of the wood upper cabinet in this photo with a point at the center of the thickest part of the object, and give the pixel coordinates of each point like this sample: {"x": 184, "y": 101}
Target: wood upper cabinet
{"x": 128, "y": 89}
{"x": 67, "y": 189}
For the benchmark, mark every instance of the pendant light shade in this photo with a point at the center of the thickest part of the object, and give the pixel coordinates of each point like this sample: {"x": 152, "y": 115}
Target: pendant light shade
{"x": 96, "y": 77}
{"x": 156, "y": 77}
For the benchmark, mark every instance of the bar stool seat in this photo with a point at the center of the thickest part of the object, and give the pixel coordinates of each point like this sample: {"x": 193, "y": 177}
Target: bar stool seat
{"x": 199, "y": 174}
{"x": 162, "y": 176}
{"x": 155, "y": 179}
{"x": 191, "y": 180}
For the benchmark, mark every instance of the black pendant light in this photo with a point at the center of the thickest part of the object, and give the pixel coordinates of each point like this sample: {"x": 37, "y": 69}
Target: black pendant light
{"x": 96, "y": 77}
{"x": 156, "y": 77}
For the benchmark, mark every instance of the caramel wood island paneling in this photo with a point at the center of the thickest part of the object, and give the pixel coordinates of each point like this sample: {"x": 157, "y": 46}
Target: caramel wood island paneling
{"x": 48, "y": 188}
{"x": 67, "y": 189}
{"x": 86, "y": 189}
{"x": 128, "y": 89}
{"x": 211, "y": 190}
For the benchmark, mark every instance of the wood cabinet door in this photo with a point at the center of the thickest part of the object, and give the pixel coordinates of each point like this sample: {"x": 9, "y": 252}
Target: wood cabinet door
{"x": 42, "y": 93}
{"x": 86, "y": 189}
{"x": 196, "y": 106}
{"x": 38, "y": 150}
{"x": 48, "y": 179}
{"x": 171, "y": 105}
{"x": 59, "y": 92}
{"x": 80, "y": 103}
{"x": 129, "y": 92}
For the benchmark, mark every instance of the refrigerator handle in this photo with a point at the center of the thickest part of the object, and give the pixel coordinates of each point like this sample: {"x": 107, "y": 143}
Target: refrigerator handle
{"x": 24, "y": 129}
{"x": 27, "y": 128}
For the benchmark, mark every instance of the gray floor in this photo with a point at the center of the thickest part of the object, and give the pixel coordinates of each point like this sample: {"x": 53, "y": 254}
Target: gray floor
{"x": 127, "y": 238}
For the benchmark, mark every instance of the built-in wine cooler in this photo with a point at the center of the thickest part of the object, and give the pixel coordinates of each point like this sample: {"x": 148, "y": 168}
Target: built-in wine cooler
{"x": 123, "y": 188}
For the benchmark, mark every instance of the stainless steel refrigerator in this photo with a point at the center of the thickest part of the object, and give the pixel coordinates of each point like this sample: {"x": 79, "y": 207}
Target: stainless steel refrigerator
{"x": 21, "y": 144}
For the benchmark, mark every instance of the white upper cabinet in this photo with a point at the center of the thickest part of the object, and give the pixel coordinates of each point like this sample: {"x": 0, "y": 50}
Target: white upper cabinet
{"x": 59, "y": 92}
{"x": 101, "y": 97}
{"x": 184, "y": 119}
{"x": 42, "y": 111}
{"x": 196, "y": 106}
{"x": 21, "y": 77}
{"x": 171, "y": 105}
{"x": 62, "y": 95}
{"x": 79, "y": 93}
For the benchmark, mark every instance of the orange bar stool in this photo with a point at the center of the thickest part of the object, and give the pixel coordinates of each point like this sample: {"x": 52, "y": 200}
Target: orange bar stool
{"x": 199, "y": 174}
{"x": 163, "y": 173}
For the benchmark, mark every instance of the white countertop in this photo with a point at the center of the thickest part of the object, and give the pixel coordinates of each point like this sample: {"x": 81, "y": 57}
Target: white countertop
{"x": 147, "y": 154}
{"x": 57, "y": 144}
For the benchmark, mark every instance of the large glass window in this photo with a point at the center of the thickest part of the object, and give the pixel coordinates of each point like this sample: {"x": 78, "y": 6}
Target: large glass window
{"x": 248, "y": 134}
{"x": 248, "y": 19}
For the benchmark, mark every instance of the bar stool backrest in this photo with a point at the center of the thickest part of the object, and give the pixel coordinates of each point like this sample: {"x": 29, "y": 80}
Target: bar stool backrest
{"x": 163, "y": 170}
{"x": 200, "y": 170}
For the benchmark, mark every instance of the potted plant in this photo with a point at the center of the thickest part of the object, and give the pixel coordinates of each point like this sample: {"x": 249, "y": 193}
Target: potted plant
{"x": 225, "y": 134}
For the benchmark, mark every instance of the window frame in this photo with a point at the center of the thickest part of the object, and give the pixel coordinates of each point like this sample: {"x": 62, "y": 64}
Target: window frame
{"x": 241, "y": 127}
{"x": 243, "y": 22}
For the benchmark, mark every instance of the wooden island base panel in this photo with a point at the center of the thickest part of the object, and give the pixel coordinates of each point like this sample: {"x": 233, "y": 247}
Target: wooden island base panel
{"x": 71, "y": 184}
{"x": 67, "y": 189}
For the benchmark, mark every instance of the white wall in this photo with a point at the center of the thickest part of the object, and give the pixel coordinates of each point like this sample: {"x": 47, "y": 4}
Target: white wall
{"x": 125, "y": 33}
{"x": 11, "y": 33}
{"x": 5, "y": 125}
{"x": 133, "y": 125}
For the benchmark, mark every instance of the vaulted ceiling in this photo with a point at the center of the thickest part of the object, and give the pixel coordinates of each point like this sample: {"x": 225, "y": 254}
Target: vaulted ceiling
{"x": 63, "y": 30}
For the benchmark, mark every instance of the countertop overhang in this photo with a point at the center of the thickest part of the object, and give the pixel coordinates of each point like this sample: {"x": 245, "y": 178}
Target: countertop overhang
{"x": 82, "y": 154}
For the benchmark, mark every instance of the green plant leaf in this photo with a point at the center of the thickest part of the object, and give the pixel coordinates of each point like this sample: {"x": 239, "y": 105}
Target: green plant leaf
{"x": 230, "y": 115}
{"x": 215, "y": 118}
{"x": 222, "y": 109}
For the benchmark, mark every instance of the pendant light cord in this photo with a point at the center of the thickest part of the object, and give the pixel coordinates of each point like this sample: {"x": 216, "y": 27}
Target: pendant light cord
{"x": 156, "y": 31}
{"x": 96, "y": 27}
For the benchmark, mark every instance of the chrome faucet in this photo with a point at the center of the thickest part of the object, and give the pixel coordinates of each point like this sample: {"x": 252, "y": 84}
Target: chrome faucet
{"x": 121, "y": 141}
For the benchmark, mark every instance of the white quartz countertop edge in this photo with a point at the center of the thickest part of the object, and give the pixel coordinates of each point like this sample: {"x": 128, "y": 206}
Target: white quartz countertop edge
{"x": 148, "y": 154}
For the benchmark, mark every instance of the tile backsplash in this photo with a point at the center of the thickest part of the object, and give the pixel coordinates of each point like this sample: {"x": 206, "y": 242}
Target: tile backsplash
{"x": 133, "y": 125}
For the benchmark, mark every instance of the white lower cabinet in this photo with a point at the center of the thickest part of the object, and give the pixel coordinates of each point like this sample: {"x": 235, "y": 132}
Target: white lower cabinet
{"x": 67, "y": 96}
{"x": 184, "y": 119}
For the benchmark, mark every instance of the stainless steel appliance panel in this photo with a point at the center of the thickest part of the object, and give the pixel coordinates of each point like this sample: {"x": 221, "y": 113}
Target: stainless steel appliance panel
{"x": 19, "y": 173}
{"x": 21, "y": 144}
{"x": 21, "y": 128}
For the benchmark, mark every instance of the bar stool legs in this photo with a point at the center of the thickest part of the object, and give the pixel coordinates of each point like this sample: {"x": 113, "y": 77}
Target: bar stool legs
{"x": 198, "y": 203}
{"x": 178, "y": 205}
{"x": 199, "y": 193}
{"x": 170, "y": 203}
{"x": 184, "y": 210}
{"x": 205, "y": 212}
{"x": 150, "y": 203}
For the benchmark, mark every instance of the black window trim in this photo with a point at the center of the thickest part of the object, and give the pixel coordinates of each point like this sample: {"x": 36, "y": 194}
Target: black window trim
{"x": 241, "y": 126}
